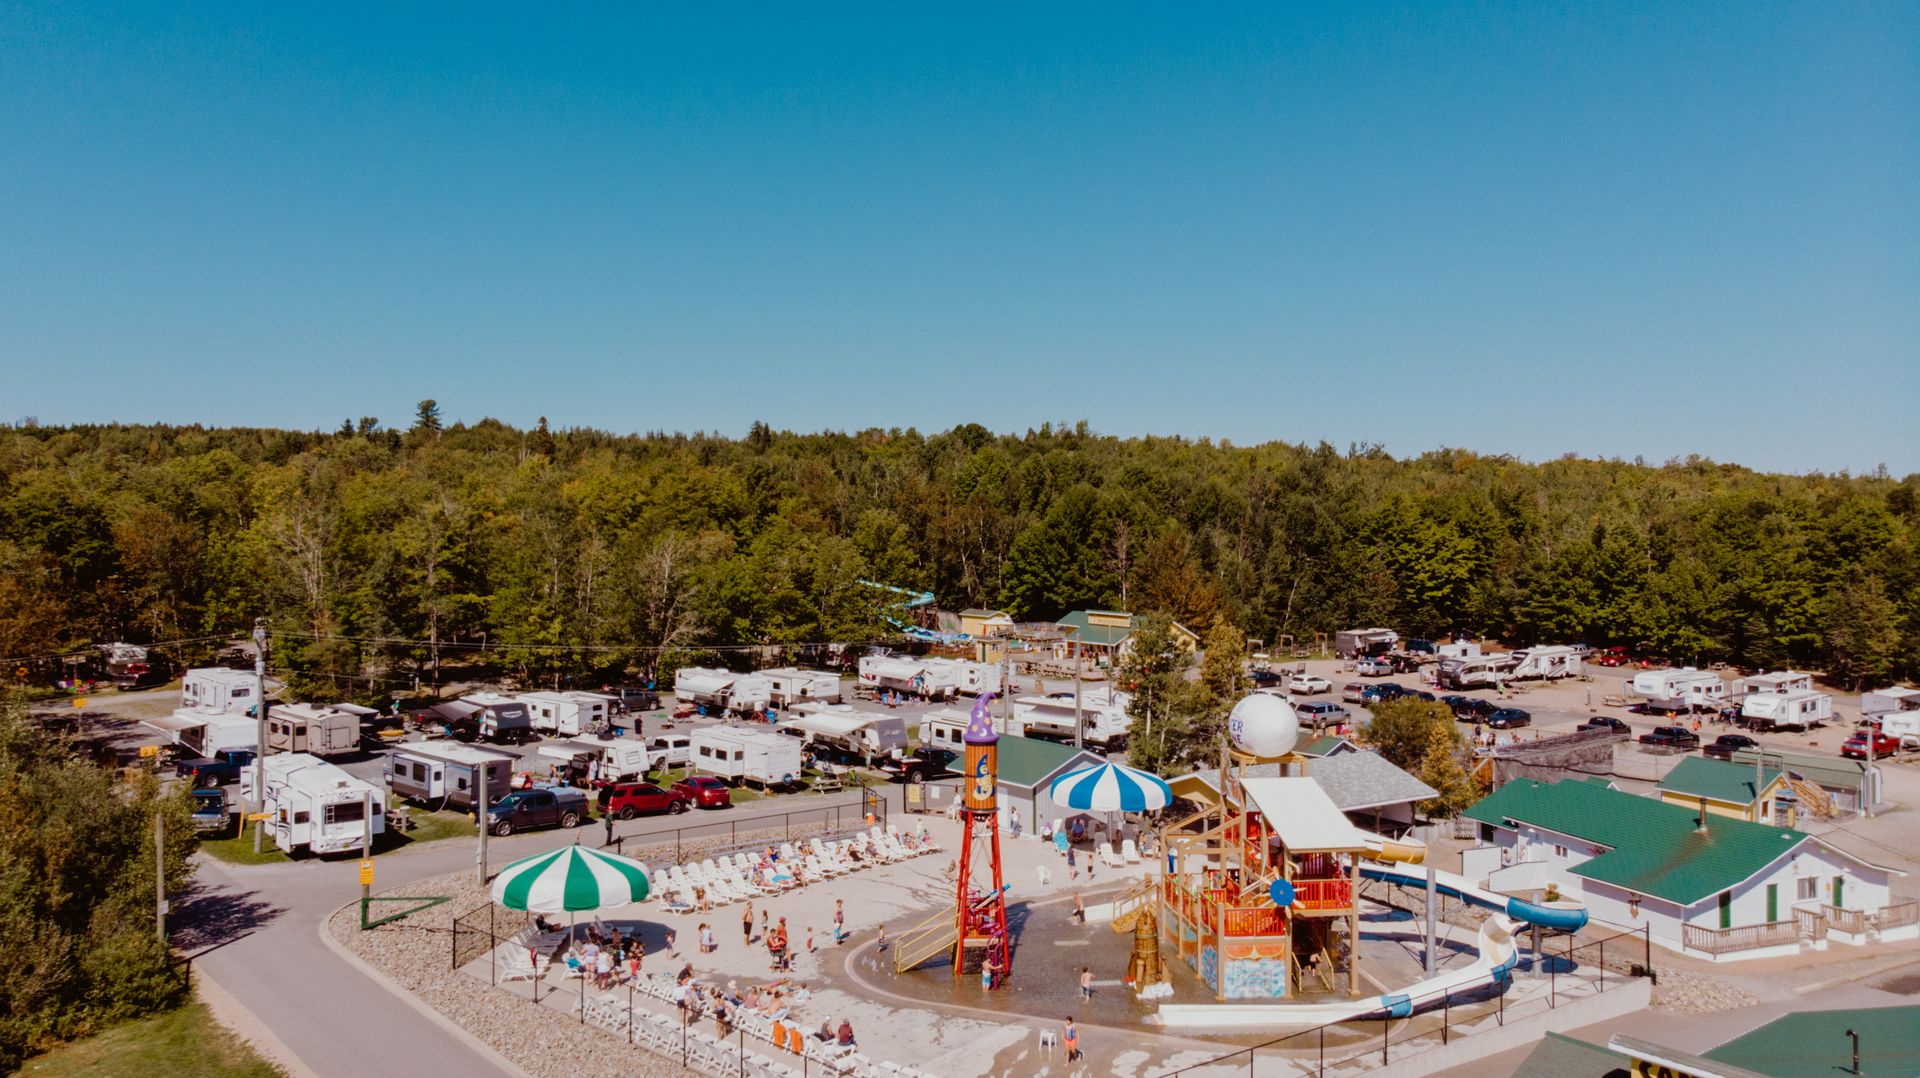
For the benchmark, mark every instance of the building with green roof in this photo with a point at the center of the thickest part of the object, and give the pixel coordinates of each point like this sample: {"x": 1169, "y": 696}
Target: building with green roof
{"x": 1709, "y": 885}
{"x": 1027, "y": 767}
{"x": 1803, "y": 1044}
{"x": 1104, "y": 633}
{"x": 1727, "y": 788}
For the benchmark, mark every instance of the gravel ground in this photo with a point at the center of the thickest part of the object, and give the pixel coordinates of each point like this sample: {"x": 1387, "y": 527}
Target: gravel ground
{"x": 1686, "y": 992}
{"x": 415, "y": 953}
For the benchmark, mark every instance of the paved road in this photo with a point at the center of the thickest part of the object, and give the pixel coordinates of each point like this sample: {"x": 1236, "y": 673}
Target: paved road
{"x": 254, "y": 931}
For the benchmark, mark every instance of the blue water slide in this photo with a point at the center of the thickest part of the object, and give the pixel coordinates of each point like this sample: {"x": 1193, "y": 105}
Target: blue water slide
{"x": 1563, "y": 918}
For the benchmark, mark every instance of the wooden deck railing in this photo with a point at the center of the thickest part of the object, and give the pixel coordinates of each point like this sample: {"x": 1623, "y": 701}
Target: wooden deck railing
{"x": 1852, "y": 922}
{"x": 1744, "y": 938}
{"x": 1898, "y": 915}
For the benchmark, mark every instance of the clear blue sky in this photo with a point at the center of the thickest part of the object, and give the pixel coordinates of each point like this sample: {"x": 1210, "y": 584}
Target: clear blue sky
{"x": 1606, "y": 229}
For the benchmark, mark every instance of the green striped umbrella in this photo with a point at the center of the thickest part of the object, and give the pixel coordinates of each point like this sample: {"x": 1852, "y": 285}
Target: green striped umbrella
{"x": 570, "y": 879}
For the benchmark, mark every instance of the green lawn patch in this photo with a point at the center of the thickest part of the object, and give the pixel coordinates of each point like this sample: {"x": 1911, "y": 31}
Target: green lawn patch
{"x": 183, "y": 1043}
{"x": 427, "y": 827}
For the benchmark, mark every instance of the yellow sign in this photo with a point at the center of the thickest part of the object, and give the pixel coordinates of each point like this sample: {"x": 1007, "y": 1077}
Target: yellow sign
{"x": 366, "y": 872}
{"x": 79, "y": 702}
{"x": 147, "y": 752}
{"x": 1644, "y": 1069}
{"x": 256, "y": 817}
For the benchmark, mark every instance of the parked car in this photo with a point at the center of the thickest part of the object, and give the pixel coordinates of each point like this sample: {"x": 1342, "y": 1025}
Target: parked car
{"x": 1322, "y": 713}
{"x": 1309, "y": 685}
{"x": 1673, "y": 737}
{"x": 1421, "y": 647}
{"x": 1509, "y": 718}
{"x": 1470, "y": 708}
{"x": 541, "y": 806}
{"x": 1605, "y": 722}
{"x": 1614, "y": 656}
{"x": 1385, "y": 690}
{"x": 1264, "y": 679}
{"x": 1883, "y": 745}
{"x": 926, "y": 762}
{"x": 1726, "y": 745}
{"x": 1374, "y": 666}
{"x": 706, "y": 791}
{"x": 210, "y": 813}
{"x": 633, "y": 698}
{"x": 220, "y": 769}
{"x": 629, "y": 799}
{"x": 1353, "y": 692}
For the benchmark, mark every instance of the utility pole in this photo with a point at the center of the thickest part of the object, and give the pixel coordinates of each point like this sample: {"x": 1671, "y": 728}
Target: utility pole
{"x": 1079, "y": 720}
{"x": 260, "y": 716}
{"x": 480, "y": 813}
{"x": 366, "y": 854}
{"x": 160, "y": 875}
{"x": 1432, "y": 888}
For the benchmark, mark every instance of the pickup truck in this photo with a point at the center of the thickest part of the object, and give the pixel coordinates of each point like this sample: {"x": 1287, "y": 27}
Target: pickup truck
{"x": 921, "y": 764}
{"x": 210, "y": 815}
{"x": 1671, "y": 737}
{"x": 220, "y": 769}
{"x": 542, "y": 806}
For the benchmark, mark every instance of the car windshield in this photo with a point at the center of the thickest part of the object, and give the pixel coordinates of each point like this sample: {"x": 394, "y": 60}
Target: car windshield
{"x": 510, "y": 801}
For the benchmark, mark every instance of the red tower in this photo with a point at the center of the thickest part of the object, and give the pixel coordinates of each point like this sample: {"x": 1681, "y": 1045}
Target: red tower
{"x": 980, "y": 905}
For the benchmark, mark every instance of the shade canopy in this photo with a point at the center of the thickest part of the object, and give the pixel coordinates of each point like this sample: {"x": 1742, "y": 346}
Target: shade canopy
{"x": 1110, "y": 788}
{"x": 571, "y": 880}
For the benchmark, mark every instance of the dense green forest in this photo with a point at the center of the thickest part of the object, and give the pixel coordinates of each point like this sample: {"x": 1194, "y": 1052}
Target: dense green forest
{"x": 579, "y": 552}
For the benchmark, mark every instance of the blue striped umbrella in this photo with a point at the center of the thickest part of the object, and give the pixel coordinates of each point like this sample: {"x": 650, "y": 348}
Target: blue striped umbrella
{"x": 1110, "y": 788}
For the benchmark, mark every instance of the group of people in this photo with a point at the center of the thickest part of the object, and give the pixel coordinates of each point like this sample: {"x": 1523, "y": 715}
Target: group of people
{"x": 606, "y": 958}
{"x": 773, "y": 1000}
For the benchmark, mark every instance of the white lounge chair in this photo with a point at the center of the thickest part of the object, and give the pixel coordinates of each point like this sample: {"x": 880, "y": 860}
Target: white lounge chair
{"x": 1108, "y": 857}
{"x": 1129, "y": 852}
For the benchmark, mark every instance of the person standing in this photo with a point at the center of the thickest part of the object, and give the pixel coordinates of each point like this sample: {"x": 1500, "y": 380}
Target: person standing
{"x": 839, "y": 921}
{"x": 746, "y": 923}
{"x": 1071, "y": 1037}
{"x": 1086, "y": 983}
{"x": 1079, "y": 909}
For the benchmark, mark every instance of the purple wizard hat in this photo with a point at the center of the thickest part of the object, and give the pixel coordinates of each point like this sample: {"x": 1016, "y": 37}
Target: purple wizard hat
{"x": 980, "y": 727}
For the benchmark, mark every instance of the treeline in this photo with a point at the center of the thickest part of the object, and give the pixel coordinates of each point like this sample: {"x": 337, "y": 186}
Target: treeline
{"x": 577, "y": 552}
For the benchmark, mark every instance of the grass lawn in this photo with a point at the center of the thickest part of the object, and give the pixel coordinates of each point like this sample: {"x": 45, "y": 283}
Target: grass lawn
{"x": 427, "y": 827}
{"x": 185, "y": 1043}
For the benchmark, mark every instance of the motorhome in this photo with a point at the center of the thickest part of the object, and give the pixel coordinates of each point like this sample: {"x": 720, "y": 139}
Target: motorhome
{"x": 721, "y": 690}
{"x": 1359, "y": 643}
{"x": 1103, "y": 718}
{"x": 1685, "y": 689}
{"x": 437, "y": 772}
{"x": 312, "y": 728}
{"x": 836, "y": 730}
{"x": 788, "y": 685}
{"x": 964, "y": 675}
{"x": 315, "y": 805}
{"x": 1473, "y": 671}
{"x": 599, "y": 760}
{"x": 567, "y": 714}
{"x": 738, "y": 754}
{"x": 217, "y": 690}
{"x": 1776, "y": 682}
{"x": 1794, "y": 710}
{"x": 1545, "y": 663}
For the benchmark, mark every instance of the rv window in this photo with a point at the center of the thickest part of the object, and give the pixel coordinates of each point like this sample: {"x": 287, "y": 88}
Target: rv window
{"x": 461, "y": 784}
{"x": 299, "y": 817}
{"x": 738, "y": 755}
{"x": 345, "y": 812}
{"x": 238, "y": 693}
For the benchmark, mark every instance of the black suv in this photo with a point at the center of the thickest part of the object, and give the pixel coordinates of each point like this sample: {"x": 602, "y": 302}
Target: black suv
{"x": 1264, "y": 679}
{"x": 1470, "y": 708}
{"x": 633, "y": 698}
{"x": 1672, "y": 737}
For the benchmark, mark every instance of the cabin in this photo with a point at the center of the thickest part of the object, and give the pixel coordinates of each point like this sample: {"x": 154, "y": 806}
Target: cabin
{"x": 788, "y": 685}
{"x": 1027, "y": 768}
{"x": 1703, "y": 884}
{"x": 1822, "y": 785}
{"x": 1361, "y": 643}
{"x": 980, "y": 623}
{"x": 1797, "y": 1044}
{"x": 1104, "y": 634}
{"x": 1725, "y": 788}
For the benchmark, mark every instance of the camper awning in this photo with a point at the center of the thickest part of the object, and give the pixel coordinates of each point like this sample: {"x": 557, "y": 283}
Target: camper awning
{"x": 171, "y": 724}
{"x": 827, "y": 725}
{"x": 569, "y": 750}
{"x": 455, "y": 710}
{"x": 1302, "y": 814}
{"x": 702, "y": 684}
{"x": 355, "y": 709}
{"x": 897, "y": 670}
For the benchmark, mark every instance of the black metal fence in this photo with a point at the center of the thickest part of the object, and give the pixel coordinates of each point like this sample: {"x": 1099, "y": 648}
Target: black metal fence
{"x": 1432, "y": 1022}
{"x": 700, "y": 840}
{"x": 482, "y": 931}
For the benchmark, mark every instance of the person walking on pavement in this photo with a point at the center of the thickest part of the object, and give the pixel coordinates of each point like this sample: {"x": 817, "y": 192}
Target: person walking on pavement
{"x": 1071, "y": 1037}
{"x": 1086, "y": 983}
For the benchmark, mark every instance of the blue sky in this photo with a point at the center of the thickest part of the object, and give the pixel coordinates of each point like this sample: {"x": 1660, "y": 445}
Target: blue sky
{"x": 1608, "y": 229}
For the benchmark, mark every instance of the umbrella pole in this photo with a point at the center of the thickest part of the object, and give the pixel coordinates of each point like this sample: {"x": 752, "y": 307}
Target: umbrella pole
{"x": 571, "y": 916}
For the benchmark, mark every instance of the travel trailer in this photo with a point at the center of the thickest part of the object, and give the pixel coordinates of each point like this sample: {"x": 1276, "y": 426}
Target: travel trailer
{"x": 1779, "y": 681}
{"x": 1685, "y": 689}
{"x": 1795, "y": 710}
{"x": 217, "y": 690}
{"x": 903, "y": 674}
{"x": 943, "y": 728}
{"x": 436, "y": 772}
{"x": 964, "y": 675}
{"x": 567, "y": 714}
{"x": 601, "y": 760}
{"x": 315, "y": 805}
{"x": 1462, "y": 650}
{"x": 1473, "y": 671}
{"x": 486, "y": 716}
{"x": 1892, "y": 701}
{"x": 312, "y": 728}
{"x": 1359, "y": 643}
{"x": 671, "y": 750}
{"x": 738, "y": 754}
{"x": 1545, "y": 663}
{"x": 201, "y": 733}
{"x": 721, "y": 690}
{"x": 839, "y": 731}
{"x": 1103, "y": 718}
{"x": 787, "y": 686}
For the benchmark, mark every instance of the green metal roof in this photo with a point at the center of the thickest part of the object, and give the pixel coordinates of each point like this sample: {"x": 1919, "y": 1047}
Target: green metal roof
{"x": 1088, "y": 633}
{"x": 1028, "y": 762}
{"x": 1324, "y": 746}
{"x": 1831, "y": 772}
{"x": 1716, "y": 780}
{"x": 1558, "y": 1056}
{"x": 1652, "y": 848}
{"x": 1807, "y": 1044}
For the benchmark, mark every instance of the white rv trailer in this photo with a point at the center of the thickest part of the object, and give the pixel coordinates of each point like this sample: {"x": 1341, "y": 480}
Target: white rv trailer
{"x": 739, "y": 754}
{"x": 204, "y": 733}
{"x": 944, "y": 728}
{"x": 842, "y": 731}
{"x": 788, "y": 685}
{"x": 1685, "y": 689}
{"x": 1358, "y": 643}
{"x": 433, "y": 771}
{"x": 1778, "y": 681}
{"x": 964, "y": 675}
{"x": 568, "y": 714}
{"x": 1461, "y": 650}
{"x": 900, "y": 673}
{"x": 1102, "y": 715}
{"x": 316, "y": 805}
{"x": 497, "y": 718}
{"x": 1473, "y": 671}
{"x": 322, "y": 731}
{"x": 603, "y": 759}
{"x": 671, "y": 749}
{"x": 721, "y": 690}
{"x": 1546, "y": 663}
{"x": 217, "y": 690}
{"x": 1892, "y": 701}
{"x": 1795, "y": 710}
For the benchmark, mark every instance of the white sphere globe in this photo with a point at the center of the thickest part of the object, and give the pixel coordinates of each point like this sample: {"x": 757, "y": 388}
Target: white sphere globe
{"x": 1263, "y": 725}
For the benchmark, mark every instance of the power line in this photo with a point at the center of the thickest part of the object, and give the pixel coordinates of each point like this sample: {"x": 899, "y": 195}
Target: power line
{"x": 622, "y": 649}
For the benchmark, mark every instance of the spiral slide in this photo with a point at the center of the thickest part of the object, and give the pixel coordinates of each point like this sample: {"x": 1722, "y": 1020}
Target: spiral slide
{"x": 1498, "y": 954}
